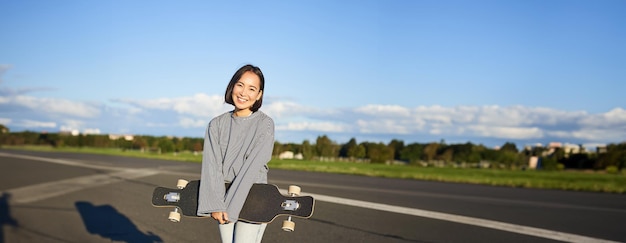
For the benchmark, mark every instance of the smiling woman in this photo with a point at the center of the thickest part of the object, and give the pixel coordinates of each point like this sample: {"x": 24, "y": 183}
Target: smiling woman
{"x": 237, "y": 147}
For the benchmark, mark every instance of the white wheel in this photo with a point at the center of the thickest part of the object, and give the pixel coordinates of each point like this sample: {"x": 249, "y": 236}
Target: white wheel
{"x": 294, "y": 190}
{"x": 289, "y": 226}
{"x": 174, "y": 217}
{"x": 181, "y": 183}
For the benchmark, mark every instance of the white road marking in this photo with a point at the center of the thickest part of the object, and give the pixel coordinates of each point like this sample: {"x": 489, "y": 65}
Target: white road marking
{"x": 57, "y": 188}
{"x": 456, "y": 197}
{"x": 520, "y": 229}
{"x": 62, "y": 162}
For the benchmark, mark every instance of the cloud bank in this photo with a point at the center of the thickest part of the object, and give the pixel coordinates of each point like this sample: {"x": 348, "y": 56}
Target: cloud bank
{"x": 188, "y": 116}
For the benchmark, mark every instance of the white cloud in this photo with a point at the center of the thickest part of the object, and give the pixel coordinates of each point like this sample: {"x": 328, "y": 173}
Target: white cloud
{"x": 54, "y": 106}
{"x": 287, "y": 110}
{"x": 71, "y": 125}
{"x": 5, "y": 121}
{"x": 614, "y": 117}
{"x": 384, "y": 110}
{"x": 36, "y": 124}
{"x": 190, "y": 122}
{"x": 201, "y": 105}
{"x": 382, "y": 126}
{"x": 312, "y": 126}
{"x": 506, "y": 132}
{"x": 278, "y": 110}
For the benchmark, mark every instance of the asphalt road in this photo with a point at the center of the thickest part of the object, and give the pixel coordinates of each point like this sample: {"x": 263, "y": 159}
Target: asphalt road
{"x": 65, "y": 197}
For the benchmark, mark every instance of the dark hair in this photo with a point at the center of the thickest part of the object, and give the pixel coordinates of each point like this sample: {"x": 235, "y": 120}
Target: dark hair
{"x": 228, "y": 96}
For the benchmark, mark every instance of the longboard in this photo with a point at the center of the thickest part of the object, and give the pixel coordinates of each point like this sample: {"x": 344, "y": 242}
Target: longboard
{"x": 263, "y": 204}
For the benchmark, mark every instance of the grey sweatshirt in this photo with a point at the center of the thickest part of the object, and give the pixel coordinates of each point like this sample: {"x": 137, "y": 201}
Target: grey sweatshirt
{"x": 236, "y": 151}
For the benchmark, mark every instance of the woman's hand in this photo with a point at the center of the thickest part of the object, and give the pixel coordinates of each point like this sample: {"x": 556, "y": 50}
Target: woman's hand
{"x": 221, "y": 217}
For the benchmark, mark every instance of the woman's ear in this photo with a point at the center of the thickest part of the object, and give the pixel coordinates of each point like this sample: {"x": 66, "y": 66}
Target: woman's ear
{"x": 260, "y": 95}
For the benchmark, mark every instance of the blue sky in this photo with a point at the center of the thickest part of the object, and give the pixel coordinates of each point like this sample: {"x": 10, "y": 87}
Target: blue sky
{"x": 487, "y": 72}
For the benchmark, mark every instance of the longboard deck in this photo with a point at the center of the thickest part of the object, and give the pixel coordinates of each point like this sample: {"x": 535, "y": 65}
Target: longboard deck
{"x": 263, "y": 204}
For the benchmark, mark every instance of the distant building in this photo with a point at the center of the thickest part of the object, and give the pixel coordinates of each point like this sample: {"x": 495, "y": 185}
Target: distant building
{"x": 286, "y": 155}
{"x": 534, "y": 162}
{"x": 125, "y": 137}
{"x": 569, "y": 148}
{"x": 290, "y": 155}
{"x": 555, "y": 145}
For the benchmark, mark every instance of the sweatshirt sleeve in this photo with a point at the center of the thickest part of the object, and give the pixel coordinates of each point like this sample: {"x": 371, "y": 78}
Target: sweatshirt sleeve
{"x": 212, "y": 191}
{"x": 255, "y": 161}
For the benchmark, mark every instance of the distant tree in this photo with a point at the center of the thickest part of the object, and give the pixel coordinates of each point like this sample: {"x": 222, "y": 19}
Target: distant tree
{"x": 460, "y": 152}
{"x": 4, "y": 132}
{"x": 139, "y": 142}
{"x": 352, "y": 150}
{"x": 538, "y": 151}
{"x": 197, "y": 146}
{"x": 358, "y": 152}
{"x": 122, "y": 143}
{"x": 615, "y": 156}
{"x": 447, "y": 154}
{"x": 165, "y": 144}
{"x": 508, "y": 146}
{"x": 578, "y": 161}
{"x": 307, "y": 150}
{"x": 278, "y": 148}
{"x": 347, "y": 147}
{"x": 396, "y": 146}
{"x": 4, "y": 129}
{"x": 430, "y": 151}
{"x": 80, "y": 140}
{"x": 412, "y": 153}
{"x": 179, "y": 144}
{"x": 378, "y": 152}
{"x": 549, "y": 163}
{"x": 325, "y": 147}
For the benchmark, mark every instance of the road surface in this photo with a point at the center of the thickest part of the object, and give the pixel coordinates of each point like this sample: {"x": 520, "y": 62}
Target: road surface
{"x": 66, "y": 197}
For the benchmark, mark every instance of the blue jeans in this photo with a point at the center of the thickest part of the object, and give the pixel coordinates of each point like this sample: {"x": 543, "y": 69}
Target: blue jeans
{"x": 241, "y": 232}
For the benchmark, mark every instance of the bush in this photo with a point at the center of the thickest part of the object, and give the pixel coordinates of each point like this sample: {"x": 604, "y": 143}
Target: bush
{"x": 612, "y": 169}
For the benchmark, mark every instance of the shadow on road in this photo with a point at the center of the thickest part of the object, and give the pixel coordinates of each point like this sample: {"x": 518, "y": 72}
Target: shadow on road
{"x": 107, "y": 222}
{"x": 5, "y": 215}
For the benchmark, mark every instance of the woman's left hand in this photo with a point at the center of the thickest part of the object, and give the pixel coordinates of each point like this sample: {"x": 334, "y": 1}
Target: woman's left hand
{"x": 221, "y": 217}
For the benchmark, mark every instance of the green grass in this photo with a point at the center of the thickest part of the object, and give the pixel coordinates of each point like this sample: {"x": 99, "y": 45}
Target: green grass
{"x": 561, "y": 180}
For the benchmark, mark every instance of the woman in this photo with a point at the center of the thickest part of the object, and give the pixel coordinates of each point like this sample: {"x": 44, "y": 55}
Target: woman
{"x": 237, "y": 146}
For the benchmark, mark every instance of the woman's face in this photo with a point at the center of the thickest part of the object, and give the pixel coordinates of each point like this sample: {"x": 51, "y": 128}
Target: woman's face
{"x": 247, "y": 91}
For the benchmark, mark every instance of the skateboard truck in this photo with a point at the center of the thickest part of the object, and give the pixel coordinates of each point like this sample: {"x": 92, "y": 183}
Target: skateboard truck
{"x": 291, "y": 205}
{"x": 174, "y": 216}
{"x": 172, "y": 197}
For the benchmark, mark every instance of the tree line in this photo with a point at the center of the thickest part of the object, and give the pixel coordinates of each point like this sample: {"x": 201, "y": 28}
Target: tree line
{"x": 508, "y": 156}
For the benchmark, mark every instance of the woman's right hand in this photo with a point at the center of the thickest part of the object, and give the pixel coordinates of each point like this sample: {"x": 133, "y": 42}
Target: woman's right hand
{"x": 221, "y": 217}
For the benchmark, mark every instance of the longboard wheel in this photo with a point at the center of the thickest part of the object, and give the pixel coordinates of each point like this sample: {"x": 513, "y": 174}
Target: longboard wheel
{"x": 181, "y": 183}
{"x": 289, "y": 226}
{"x": 174, "y": 217}
{"x": 294, "y": 190}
